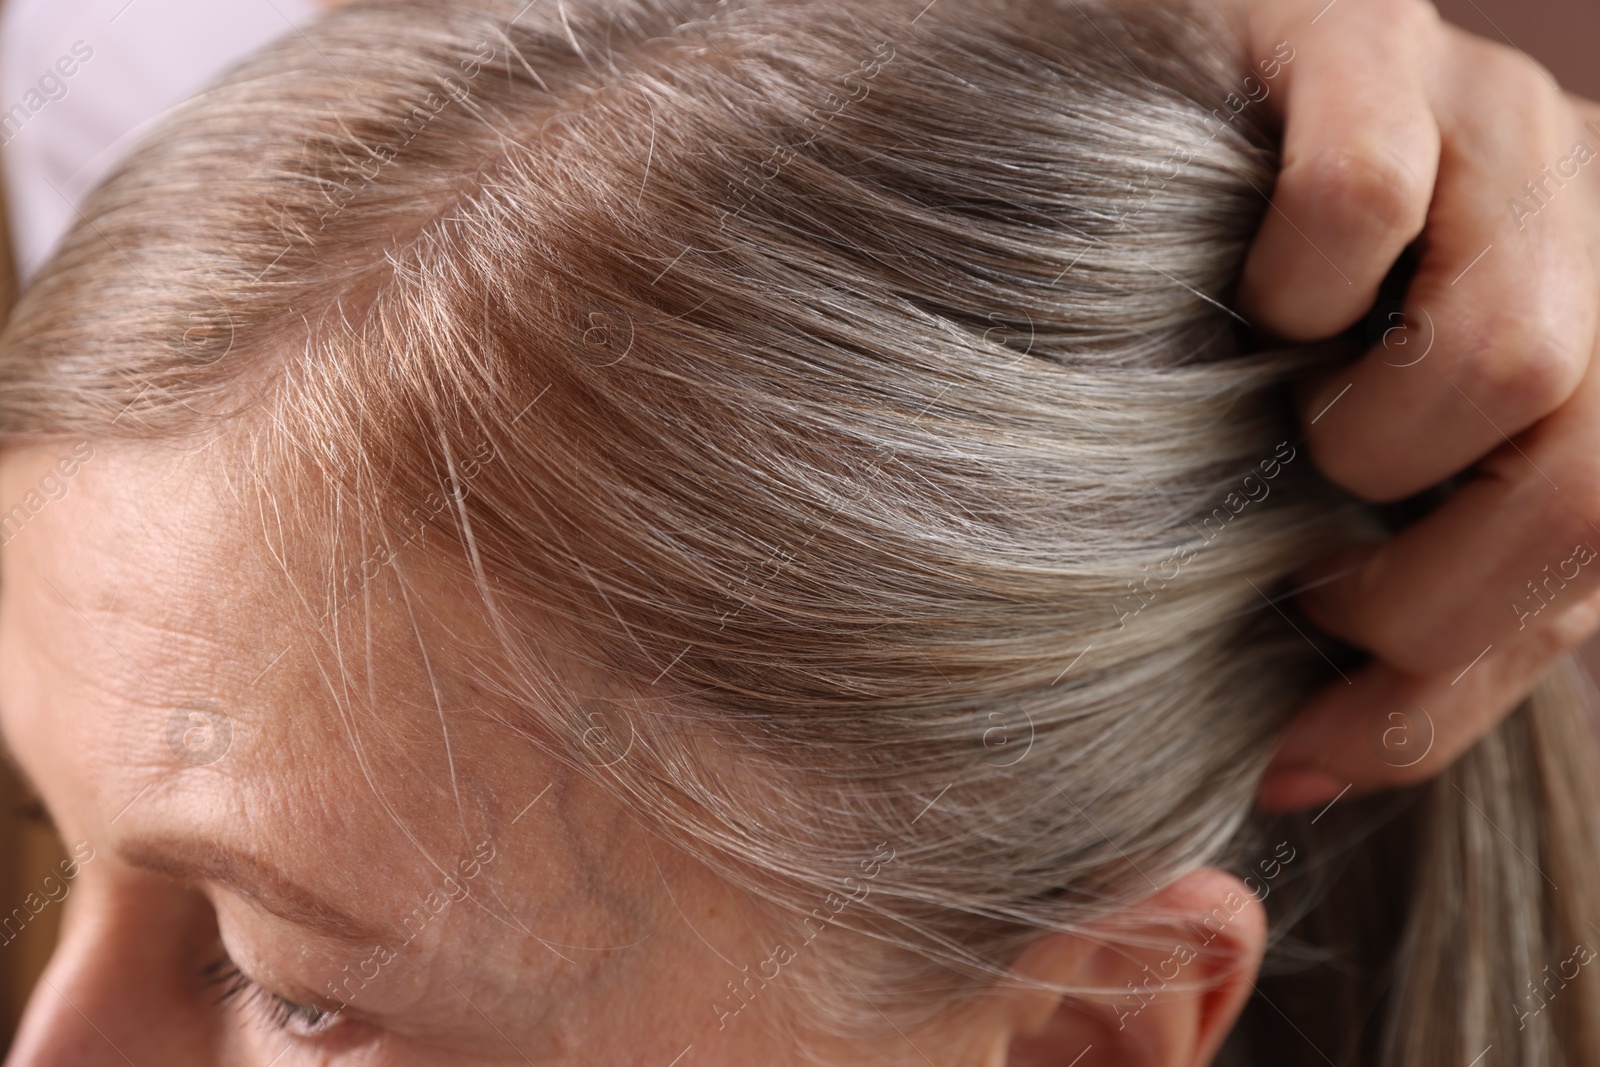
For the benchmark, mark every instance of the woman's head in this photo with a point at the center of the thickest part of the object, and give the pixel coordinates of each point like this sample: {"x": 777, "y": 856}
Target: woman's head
{"x": 717, "y": 536}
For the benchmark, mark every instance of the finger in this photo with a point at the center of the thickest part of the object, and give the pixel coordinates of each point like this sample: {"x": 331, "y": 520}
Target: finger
{"x": 1360, "y": 153}
{"x": 1501, "y": 316}
{"x": 1387, "y": 728}
{"x": 1519, "y": 540}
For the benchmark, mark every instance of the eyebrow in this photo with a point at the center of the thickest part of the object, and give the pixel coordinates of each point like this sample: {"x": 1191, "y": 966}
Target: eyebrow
{"x": 255, "y": 878}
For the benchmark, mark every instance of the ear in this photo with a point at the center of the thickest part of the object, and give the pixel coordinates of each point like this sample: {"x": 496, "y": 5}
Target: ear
{"x": 1167, "y": 978}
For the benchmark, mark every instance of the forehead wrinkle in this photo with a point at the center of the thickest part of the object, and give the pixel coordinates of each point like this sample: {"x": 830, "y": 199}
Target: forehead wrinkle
{"x": 197, "y": 628}
{"x": 167, "y": 624}
{"x": 552, "y": 885}
{"x": 180, "y": 638}
{"x": 152, "y": 668}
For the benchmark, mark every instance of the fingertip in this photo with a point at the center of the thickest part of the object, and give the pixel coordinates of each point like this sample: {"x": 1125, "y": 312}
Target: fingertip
{"x": 1360, "y": 156}
{"x": 1291, "y": 290}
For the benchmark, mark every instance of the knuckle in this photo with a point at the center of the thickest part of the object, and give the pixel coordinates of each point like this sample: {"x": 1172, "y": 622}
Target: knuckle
{"x": 1416, "y": 16}
{"x": 1525, "y": 363}
{"x": 1374, "y": 185}
{"x": 1513, "y": 77}
{"x": 1524, "y": 77}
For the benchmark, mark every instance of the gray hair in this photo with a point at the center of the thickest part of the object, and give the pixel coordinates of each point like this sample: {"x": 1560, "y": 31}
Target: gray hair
{"x": 855, "y": 383}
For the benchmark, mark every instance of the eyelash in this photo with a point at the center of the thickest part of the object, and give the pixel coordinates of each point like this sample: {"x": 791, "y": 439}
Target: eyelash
{"x": 277, "y": 1012}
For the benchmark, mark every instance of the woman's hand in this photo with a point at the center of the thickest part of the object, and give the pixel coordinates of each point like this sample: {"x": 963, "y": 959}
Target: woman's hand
{"x": 1398, "y": 125}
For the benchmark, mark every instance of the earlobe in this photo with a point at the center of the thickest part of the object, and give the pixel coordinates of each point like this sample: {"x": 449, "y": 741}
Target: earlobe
{"x": 1172, "y": 974}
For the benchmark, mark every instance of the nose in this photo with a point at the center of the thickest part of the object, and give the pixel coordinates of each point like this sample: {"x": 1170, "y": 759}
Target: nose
{"x": 117, "y": 991}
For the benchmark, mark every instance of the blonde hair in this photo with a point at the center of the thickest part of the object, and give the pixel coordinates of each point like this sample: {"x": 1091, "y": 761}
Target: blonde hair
{"x": 854, "y": 384}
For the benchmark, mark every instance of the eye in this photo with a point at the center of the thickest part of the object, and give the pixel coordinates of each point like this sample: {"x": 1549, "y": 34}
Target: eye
{"x": 276, "y": 1011}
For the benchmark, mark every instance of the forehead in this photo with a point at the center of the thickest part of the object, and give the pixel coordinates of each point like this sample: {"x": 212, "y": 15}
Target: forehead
{"x": 160, "y": 666}
{"x": 154, "y": 685}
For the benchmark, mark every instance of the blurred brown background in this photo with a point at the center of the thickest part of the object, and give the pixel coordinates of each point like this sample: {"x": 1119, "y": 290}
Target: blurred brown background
{"x": 1561, "y": 34}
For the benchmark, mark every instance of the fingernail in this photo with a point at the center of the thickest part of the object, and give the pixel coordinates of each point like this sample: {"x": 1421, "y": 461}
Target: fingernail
{"x": 1297, "y": 789}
